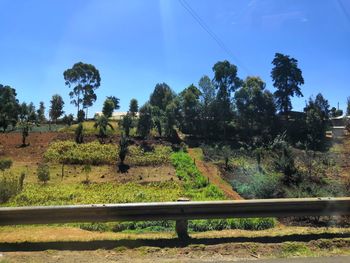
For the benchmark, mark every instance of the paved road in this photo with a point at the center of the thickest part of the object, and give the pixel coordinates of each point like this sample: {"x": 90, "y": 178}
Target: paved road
{"x": 340, "y": 259}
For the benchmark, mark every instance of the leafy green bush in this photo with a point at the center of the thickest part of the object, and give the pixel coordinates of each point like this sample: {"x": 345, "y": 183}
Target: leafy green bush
{"x": 69, "y": 152}
{"x": 43, "y": 173}
{"x": 5, "y": 164}
{"x": 232, "y": 223}
{"x": 159, "y": 155}
{"x": 102, "y": 193}
{"x": 9, "y": 187}
{"x": 258, "y": 185}
{"x": 94, "y": 153}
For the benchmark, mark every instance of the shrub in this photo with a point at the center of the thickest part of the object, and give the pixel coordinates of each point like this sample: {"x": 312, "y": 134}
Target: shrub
{"x": 258, "y": 185}
{"x": 79, "y": 133}
{"x": 43, "y": 173}
{"x": 123, "y": 148}
{"x": 95, "y": 153}
{"x": 5, "y": 164}
{"x": 157, "y": 156}
{"x": 9, "y": 187}
{"x": 69, "y": 152}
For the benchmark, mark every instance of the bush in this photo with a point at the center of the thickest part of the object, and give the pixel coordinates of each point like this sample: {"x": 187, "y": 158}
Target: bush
{"x": 5, "y": 164}
{"x": 43, "y": 173}
{"x": 9, "y": 187}
{"x": 258, "y": 185}
{"x": 69, "y": 152}
{"x": 157, "y": 156}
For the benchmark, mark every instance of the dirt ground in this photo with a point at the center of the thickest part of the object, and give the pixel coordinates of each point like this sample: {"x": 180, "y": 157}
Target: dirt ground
{"x": 75, "y": 245}
{"x": 38, "y": 142}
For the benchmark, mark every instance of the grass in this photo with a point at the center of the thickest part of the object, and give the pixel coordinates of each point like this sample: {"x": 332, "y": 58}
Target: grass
{"x": 66, "y": 194}
{"x": 90, "y": 129}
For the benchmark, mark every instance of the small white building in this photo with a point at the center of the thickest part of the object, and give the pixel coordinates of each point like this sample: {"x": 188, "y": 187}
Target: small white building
{"x": 115, "y": 115}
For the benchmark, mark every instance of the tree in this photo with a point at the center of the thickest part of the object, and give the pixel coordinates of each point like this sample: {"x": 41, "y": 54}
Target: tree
{"x": 56, "y": 107}
{"x": 161, "y": 96}
{"x": 68, "y": 119}
{"x": 8, "y": 107}
{"x": 26, "y": 120}
{"x": 81, "y": 116}
{"x": 171, "y": 119}
{"x": 287, "y": 78}
{"x": 145, "y": 121}
{"x": 83, "y": 79}
{"x": 317, "y": 116}
{"x": 43, "y": 173}
{"x": 79, "y": 133}
{"x": 207, "y": 101}
{"x": 190, "y": 108}
{"x": 225, "y": 81}
{"x": 127, "y": 124}
{"x": 108, "y": 107}
{"x": 133, "y": 107}
{"x": 334, "y": 112}
{"x": 115, "y": 101}
{"x": 123, "y": 149}
{"x": 158, "y": 117}
{"x": 41, "y": 112}
{"x": 255, "y": 110}
{"x": 102, "y": 124}
{"x": 88, "y": 99}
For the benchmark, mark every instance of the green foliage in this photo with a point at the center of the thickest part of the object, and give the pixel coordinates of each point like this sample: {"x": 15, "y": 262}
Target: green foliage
{"x": 145, "y": 121}
{"x": 41, "y": 112}
{"x": 68, "y": 119}
{"x": 102, "y": 193}
{"x": 161, "y": 96}
{"x": 101, "y": 124}
{"x": 127, "y": 124}
{"x": 83, "y": 79}
{"x": 133, "y": 107}
{"x": 5, "y": 164}
{"x": 115, "y": 101}
{"x": 79, "y": 133}
{"x": 56, "y": 107}
{"x": 8, "y": 107}
{"x": 94, "y": 153}
{"x": 9, "y": 187}
{"x": 81, "y": 116}
{"x": 43, "y": 173}
{"x": 123, "y": 148}
{"x": 258, "y": 185}
{"x": 287, "y": 78}
{"x": 236, "y": 223}
{"x": 195, "y": 184}
{"x": 108, "y": 107}
{"x": 158, "y": 156}
{"x": 316, "y": 123}
{"x": 69, "y": 152}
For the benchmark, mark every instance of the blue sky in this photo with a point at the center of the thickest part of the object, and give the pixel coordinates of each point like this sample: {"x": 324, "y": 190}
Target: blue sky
{"x": 136, "y": 44}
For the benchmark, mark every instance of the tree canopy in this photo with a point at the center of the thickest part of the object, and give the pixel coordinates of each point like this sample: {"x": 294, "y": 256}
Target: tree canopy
{"x": 287, "y": 79}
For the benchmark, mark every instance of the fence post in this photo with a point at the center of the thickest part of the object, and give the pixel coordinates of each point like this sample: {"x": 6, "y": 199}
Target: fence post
{"x": 182, "y": 224}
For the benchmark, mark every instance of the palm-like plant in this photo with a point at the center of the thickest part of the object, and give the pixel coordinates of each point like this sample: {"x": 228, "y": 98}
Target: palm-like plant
{"x": 102, "y": 123}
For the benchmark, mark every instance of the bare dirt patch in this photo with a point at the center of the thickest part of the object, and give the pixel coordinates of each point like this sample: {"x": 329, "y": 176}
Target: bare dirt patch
{"x": 38, "y": 143}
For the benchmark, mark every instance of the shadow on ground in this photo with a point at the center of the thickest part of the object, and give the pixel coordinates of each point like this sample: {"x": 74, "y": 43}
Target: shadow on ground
{"x": 161, "y": 243}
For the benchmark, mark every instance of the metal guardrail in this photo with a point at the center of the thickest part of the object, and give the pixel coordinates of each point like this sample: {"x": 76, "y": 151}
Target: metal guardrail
{"x": 179, "y": 211}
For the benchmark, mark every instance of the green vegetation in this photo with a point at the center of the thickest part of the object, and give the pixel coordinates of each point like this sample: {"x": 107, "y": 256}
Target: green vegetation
{"x": 69, "y": 152}
{"x": 102, "y": 193}
{"x": 43, "y": 173}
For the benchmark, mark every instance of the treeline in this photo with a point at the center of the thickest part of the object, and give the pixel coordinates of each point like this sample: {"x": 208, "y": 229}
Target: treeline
{"x": 223, "y": 107}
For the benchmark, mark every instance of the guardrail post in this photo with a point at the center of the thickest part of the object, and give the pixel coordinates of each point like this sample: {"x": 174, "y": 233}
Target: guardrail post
{"x": 182, "y": 224}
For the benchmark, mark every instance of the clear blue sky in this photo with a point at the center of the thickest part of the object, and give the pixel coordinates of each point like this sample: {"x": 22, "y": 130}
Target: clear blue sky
{"x": 136, "y": 44}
